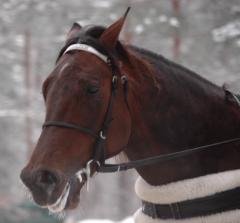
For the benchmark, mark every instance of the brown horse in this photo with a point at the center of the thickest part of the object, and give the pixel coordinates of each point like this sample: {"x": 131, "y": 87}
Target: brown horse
{"x": 104, "y": 97}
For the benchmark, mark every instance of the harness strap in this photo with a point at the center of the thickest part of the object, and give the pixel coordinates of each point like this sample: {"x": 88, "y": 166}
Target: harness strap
{"x": 237, "y": 98}
{"x": 212, "y": 204}
{"x": 230, "y": 96}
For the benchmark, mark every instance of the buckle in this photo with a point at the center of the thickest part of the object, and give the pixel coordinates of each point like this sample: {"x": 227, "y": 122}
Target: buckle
{"x": 154, "y": 210}
{"x": 124, "y": 79}
{"x": 150, "y": 209}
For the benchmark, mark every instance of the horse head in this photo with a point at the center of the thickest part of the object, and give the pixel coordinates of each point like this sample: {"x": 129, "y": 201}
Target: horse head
{"x": 79, "y": 92}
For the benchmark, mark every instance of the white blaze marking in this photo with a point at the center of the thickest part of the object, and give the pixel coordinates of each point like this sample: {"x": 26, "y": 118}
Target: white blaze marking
{"x": 63, "y": 67}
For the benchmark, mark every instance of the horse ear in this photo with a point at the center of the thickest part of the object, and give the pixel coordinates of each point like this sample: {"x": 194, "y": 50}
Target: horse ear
{"x": 110, "y": 36}
{"x": 74, "y": 31}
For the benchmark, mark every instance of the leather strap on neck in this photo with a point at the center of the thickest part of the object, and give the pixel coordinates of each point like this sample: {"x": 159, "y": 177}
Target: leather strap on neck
{"x": 220, "y": 202}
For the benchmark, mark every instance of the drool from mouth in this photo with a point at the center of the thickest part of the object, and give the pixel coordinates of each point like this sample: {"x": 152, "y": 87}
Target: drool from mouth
{"x": 61, "y": 202}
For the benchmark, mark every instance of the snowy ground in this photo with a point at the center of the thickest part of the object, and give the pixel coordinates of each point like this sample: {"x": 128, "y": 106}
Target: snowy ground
{"x": 127, "y": 220}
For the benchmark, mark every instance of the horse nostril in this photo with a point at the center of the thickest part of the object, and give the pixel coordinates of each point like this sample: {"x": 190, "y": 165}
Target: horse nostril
{"x": 26, "y": 177}
{"x": 46, "y": 178}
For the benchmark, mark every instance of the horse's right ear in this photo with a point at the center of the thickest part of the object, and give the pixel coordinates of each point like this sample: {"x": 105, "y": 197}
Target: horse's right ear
{"x": 74, "y": 31}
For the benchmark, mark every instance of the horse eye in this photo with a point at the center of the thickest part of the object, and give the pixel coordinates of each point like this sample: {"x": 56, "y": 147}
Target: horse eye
{"x": 92, "y": 89}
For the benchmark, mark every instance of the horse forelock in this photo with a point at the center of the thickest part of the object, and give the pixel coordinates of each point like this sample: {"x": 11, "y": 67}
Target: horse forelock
{"x": 90, "y": 35}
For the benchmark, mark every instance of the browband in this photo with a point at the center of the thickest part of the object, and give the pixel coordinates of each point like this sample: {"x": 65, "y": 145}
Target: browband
{"x": 86, "y": 48}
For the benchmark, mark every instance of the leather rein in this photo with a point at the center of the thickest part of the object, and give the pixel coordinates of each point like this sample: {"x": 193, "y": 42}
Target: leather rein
{"x": 100, "y": 149}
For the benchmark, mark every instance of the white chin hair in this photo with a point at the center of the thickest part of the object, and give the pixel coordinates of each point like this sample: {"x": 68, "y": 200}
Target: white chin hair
{"x": 61, "y": 202}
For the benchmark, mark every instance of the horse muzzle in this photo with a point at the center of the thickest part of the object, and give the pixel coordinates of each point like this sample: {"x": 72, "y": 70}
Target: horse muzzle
{"x": 52, "y": 190}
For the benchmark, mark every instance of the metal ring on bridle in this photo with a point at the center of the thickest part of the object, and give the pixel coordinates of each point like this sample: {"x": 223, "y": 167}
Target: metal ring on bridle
{"x": 91, "y": 161}
{"x": 114, "y": 79}
{"x": 123, "y": 79}
{"x": 102, "y": 136}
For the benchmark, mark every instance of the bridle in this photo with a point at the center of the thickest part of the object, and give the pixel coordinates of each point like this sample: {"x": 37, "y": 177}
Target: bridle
{"x": 99, "y": 155}
{"x": 100, "y": 136}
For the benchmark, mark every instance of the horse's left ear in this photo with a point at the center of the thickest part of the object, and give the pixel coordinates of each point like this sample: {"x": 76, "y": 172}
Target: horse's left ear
{"x": 110, "y": 36}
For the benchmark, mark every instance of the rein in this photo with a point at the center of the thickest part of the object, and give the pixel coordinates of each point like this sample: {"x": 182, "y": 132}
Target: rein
{"x": 109, "y": 168}
{"x": 100, "y": 148}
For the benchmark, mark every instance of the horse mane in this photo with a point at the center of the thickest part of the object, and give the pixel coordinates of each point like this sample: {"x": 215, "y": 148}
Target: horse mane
{"x": 166, "y": 66}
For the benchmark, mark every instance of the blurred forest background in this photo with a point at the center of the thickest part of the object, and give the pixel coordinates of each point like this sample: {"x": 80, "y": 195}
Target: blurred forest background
{"x": 201, "y": 35}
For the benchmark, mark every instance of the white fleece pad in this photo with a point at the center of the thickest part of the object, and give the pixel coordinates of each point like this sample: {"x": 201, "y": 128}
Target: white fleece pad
{"x": 188, "y": 189}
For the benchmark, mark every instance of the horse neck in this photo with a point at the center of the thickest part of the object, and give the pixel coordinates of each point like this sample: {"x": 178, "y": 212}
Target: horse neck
{"x": 174, "y": 111}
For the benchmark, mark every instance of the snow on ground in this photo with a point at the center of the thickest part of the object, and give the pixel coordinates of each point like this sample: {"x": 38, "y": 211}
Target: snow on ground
{"x": 229, "y": 31}
{"x": 127, "y": 220}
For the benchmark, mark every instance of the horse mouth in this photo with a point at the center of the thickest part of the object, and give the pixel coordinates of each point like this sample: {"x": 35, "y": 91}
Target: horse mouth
{"x": 59, "y": 195}
{"x": 69, "y": 198}
{"x": 61, "y": 202}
